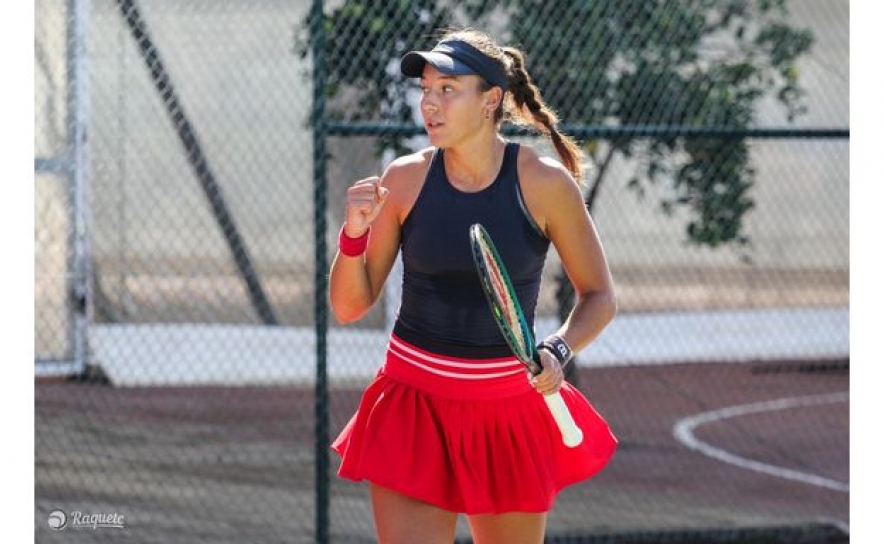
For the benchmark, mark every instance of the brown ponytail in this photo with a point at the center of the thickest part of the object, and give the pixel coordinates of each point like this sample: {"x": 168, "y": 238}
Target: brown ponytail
{"x": 524, "y": 106}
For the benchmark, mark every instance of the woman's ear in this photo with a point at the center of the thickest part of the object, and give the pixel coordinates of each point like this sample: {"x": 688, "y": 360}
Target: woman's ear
{"x": 494, "y": 96}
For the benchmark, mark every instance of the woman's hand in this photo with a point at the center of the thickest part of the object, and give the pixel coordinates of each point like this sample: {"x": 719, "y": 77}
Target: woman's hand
{"x": 553, "y": 376}
{"x": 364, "y": 201}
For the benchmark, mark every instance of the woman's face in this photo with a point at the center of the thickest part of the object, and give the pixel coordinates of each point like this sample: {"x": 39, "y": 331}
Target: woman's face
{"x": 453, "y": 107}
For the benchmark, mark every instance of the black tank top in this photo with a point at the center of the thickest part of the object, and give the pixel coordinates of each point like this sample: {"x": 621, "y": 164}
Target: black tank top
{"x": 443, "y": 308}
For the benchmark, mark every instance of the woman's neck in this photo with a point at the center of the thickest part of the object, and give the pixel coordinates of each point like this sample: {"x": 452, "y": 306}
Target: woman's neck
{"x": 471, "y": 168}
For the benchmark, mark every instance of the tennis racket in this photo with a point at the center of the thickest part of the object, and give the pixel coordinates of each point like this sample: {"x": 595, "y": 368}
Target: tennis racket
{"x": 509, "y": 317}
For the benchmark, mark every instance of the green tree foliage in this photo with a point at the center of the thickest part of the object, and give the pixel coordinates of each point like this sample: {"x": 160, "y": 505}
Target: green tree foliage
{"x": 365, "y": 40}
{"x": 692, "y": 63}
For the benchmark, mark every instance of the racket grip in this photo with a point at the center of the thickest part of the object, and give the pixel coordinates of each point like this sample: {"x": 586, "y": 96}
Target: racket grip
{"x": 572, "y": 436}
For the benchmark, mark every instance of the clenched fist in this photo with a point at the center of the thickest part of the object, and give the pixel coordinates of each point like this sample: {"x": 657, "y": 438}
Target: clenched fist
{"x": 364, "y": 201}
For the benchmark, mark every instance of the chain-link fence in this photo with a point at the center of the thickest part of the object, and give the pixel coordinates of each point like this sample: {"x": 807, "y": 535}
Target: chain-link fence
{"x": 188, "y": 379}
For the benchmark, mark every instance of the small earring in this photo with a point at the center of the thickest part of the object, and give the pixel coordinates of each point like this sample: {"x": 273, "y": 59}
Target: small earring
{"x": 487, "y": 114}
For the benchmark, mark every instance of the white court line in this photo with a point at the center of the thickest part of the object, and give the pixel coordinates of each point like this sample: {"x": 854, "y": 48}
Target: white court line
{"x": 684, "y": 433}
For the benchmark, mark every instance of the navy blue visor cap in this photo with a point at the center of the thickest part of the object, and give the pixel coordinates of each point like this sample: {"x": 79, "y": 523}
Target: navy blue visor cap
{"x": 455, "y": 58}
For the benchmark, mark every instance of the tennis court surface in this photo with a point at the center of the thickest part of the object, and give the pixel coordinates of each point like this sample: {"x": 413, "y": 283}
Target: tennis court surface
{"x": 722, "y": 452}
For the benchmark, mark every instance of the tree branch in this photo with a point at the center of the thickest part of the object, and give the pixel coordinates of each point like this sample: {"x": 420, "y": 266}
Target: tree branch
{"x": 594, "y": 190}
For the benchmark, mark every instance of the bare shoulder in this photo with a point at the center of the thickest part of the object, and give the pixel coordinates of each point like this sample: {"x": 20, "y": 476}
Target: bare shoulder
{"x": 404, "y": 167}
{"x": 404, "y": 177}
{"x": 547, "y": 172}
{"x": 547, "y": 186}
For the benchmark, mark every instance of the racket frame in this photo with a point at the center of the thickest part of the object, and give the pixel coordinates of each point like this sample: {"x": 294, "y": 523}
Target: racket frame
{"x": 525, "y": 351}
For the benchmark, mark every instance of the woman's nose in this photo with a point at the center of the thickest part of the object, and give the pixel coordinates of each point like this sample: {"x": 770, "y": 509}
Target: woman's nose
{"x": 428, "y": 105}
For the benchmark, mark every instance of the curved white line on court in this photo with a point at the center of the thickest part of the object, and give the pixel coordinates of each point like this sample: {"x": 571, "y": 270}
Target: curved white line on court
{"x": 684, "y": 433}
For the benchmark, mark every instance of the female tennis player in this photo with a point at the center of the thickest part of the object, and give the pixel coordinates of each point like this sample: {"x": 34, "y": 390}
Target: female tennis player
{"x": 452, "y": 423}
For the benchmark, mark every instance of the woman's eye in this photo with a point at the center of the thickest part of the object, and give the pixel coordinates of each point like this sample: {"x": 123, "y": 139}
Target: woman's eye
{"x": 444, "y": 89}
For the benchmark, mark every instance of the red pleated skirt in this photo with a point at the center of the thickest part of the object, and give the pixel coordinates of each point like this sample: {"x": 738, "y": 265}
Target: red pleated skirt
{"x": 467, "y": 435}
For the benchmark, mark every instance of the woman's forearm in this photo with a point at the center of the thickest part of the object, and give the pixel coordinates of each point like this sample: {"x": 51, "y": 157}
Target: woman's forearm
{"x": 589, "y": 317}
{"x": 350, "y": 291}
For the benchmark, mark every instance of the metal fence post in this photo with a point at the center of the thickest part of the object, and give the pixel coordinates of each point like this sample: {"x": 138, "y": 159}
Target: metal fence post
{"x": 317, "y": 46}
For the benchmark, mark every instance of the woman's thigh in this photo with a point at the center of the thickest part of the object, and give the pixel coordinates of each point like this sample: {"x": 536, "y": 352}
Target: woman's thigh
{"x": 400, "y": 519}
{"x": 511, "y": 528}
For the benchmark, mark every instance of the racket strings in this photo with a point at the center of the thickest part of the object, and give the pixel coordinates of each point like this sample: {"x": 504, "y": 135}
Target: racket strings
{"x": 501, "y": 294}
{"x": 504, "y": 299}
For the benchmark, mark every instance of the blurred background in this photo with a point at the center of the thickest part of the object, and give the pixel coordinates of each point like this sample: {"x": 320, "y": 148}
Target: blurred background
{"x": 191, "y": 159}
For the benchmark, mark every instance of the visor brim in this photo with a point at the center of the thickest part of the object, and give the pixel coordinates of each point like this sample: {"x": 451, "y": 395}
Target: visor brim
{"x": 412, "y": 64}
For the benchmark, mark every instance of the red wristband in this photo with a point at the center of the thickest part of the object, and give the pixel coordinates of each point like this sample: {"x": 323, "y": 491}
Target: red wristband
{"x": 353, "y": 247}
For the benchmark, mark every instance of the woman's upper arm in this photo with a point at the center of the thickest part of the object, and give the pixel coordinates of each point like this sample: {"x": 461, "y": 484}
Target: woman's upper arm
{"x": 562, "y": 214}
{"x": 383, "y": 245}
